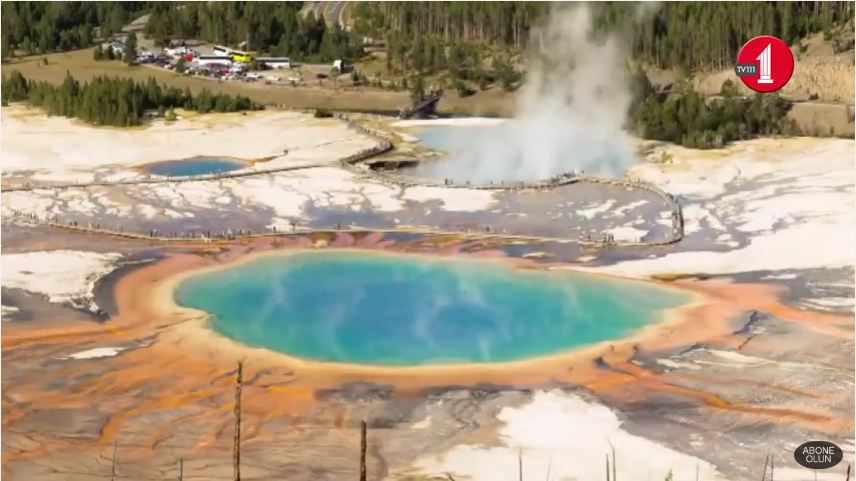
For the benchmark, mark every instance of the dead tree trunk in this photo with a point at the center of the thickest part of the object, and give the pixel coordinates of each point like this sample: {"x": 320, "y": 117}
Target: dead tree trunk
{"x": 113, "y": 463}
{"x": 607, "y": 467}
{"x": 614, "y": 463}
{"x": 236, "y": 448}
{"x": 363, "y": 446}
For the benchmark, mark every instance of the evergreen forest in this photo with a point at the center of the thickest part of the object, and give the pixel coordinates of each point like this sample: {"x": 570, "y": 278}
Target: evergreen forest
{"x": 116, "y": 102}
{"x": 692, "y": 120}
{"x": 43, "y": 27}
{"x": 687, "y": 35}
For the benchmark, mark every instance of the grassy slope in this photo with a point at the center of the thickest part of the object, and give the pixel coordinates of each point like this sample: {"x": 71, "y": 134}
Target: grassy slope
{"x": 83, "y": 67}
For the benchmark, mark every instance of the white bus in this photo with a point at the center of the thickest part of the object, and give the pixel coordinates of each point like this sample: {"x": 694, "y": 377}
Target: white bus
{"x": 176, "y": 52}
{"x": 222, "y": 51}
{"x": 275, "y": 62}
{"x": 213, "y": 59}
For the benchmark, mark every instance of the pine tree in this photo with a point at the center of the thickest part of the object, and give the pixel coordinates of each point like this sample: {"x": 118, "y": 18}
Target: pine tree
{"x": 688, "y": 34}
{"x": 5, "y": 48}
{"x": 130, "y": 48}
{"x": 114, "y": 101}
{"x": 417, "y": 89}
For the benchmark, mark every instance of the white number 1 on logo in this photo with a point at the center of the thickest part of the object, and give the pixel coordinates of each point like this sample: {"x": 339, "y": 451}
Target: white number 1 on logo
{"x": 766, "y": 62}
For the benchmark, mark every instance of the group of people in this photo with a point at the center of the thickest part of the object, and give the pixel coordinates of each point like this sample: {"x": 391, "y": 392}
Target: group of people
{"x": 603, "y": 238}
{"x": 230, "y": 234}
{"x": 152, "y": 233}
{"x": 677, "y": 221}
{"x": 56, "y": 220}
{"x": 558, "y": 179}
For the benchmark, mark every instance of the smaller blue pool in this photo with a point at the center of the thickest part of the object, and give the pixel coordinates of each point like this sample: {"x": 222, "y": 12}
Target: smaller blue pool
{"x": 195, "y": 166}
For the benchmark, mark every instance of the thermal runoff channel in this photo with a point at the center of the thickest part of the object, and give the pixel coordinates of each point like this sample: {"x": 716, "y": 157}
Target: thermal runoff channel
{"x": 383, "y": 309}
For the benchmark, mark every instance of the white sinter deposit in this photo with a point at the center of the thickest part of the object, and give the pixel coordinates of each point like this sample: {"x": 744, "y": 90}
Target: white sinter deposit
{"x": 73, "y": 156}
{"x": 791, "y": 201}
{"x": 560, "y": 436}
{"x": 94, "y": 353}
{"x": 59, "y": 149}
{"x": 62, "y": 276}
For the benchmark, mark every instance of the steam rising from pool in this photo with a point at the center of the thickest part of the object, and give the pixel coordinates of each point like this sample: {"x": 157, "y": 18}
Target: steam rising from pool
{"x": 571, "y": 113}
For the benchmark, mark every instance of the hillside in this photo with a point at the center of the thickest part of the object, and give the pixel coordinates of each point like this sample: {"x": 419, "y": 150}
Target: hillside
{"x": 480, "y": 65}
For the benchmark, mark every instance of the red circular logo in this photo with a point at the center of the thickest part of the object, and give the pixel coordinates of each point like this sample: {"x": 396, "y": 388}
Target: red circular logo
{"x": 765, "y": 64}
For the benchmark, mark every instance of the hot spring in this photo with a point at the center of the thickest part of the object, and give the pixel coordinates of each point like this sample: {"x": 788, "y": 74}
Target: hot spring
{"x": 194, "y": 166}
{"x": 571, "y": 111}
{"x": 508, "y": 152}
{"x": 378, "y": 309}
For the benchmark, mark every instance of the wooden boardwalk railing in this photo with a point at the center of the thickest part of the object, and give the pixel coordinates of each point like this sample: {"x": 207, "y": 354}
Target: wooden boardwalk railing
{"x": 426, "y": 104}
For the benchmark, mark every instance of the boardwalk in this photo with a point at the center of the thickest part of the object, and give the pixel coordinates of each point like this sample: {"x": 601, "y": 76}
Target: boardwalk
{"x": 384, "y": 145}
{"x": 243, "y": 234}
{"x": 424, "y": 106}
{"x": 157, "y": 179}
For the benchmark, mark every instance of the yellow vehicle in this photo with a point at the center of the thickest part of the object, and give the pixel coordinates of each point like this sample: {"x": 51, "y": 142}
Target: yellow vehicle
{"x": 244, "y": 57}
{"x": 237, "y": 55}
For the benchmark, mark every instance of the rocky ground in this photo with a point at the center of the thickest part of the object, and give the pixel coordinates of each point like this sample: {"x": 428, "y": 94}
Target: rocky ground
{"x": 777, "y": 214}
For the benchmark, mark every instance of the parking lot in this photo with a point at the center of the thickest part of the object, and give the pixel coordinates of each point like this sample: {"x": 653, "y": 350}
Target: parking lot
{"x": 200, "y": 60}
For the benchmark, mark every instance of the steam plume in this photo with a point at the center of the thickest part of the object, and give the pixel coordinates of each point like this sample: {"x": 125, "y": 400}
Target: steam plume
{"x": 571, "y": 114}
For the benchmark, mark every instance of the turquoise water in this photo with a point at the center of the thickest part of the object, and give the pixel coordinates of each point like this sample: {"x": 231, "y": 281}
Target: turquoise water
{"x": 455, "y": 139}
{"x": 402, "y": 310}
{"x": 194, "y": 166}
